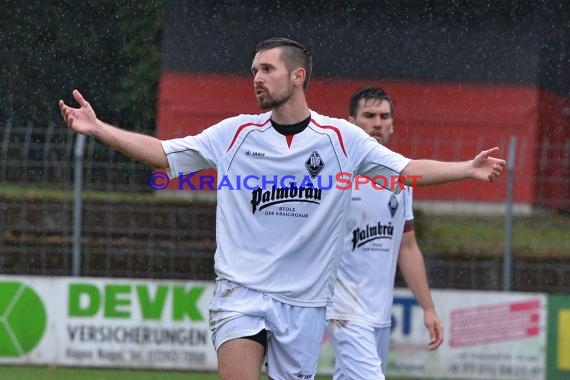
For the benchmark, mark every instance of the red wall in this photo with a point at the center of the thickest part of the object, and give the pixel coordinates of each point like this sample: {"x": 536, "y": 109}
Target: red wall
{"x": 440, "y": 121}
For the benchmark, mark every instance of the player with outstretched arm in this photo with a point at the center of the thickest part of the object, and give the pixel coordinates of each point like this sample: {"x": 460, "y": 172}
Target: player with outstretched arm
{"x": 275, "y": 273}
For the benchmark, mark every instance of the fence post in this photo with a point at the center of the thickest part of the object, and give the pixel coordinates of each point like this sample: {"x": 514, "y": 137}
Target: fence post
{"x": 508, "y": 253}
{"x": 77, "y": 205}
{"x": 4, "y": 150}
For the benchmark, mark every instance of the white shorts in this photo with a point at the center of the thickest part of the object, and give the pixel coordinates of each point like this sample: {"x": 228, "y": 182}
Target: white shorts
{"x": 294, "y": 333}
{"x": 361, "y": 350}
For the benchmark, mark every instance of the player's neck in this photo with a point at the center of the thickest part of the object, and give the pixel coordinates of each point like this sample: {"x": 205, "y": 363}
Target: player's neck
{"x": 291, "y": 112}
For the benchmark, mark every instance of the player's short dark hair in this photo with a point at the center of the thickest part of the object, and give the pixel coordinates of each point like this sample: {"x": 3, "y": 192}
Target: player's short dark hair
{"x": 368, "y": 93}
{"x": 294, "y": 54}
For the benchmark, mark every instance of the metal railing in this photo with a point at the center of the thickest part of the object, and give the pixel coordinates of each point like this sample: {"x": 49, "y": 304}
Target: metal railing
{"x": 126, "y": 231}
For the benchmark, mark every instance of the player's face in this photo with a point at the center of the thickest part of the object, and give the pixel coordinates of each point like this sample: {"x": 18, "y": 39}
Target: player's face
{"x": 375, "y": 118}
{"x": 272, "y": 80}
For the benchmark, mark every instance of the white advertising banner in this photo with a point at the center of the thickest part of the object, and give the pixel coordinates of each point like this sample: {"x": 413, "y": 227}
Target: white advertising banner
{"x": 99, "y": 322}
{"x": 488, "y": 335}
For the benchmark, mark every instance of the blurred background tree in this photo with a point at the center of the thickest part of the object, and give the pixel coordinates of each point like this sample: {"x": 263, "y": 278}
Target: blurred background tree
{"x": 108, "y": 49}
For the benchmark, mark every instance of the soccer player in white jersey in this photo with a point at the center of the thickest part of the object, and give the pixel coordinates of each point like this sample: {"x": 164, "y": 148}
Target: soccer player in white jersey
{"x": 279, "y": 233}
{"x": 379, "y": 233}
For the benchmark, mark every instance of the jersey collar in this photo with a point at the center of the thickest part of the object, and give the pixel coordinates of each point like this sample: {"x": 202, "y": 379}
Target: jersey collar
{"x": 291, "y": 129}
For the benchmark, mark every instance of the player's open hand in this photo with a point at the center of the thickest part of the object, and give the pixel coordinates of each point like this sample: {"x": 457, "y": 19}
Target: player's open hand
{"x": 487, "y": 168}
{"x": 82, "y": 120}
{"x": 435, "y": 329}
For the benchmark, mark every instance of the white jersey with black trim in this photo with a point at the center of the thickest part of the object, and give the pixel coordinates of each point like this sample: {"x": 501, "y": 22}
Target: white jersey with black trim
{"x": 281, "y": 212}
{"x": 364, "y": 288}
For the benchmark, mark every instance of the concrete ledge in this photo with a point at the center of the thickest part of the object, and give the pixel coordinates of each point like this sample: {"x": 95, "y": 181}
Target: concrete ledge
{"x": 190, "y": 195}
{"x": 471, "y": 208}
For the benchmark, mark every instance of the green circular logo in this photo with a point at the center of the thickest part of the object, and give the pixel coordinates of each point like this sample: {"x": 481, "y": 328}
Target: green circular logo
{"x": 22, "y": 319}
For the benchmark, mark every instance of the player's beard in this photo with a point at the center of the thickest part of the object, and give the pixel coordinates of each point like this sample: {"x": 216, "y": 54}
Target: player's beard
{"x": 267, "y": 101}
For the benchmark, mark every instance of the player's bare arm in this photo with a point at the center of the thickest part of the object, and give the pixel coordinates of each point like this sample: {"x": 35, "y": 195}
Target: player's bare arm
{"x": 412, "y": 266}
{"x": 483, "y": 167}
{"x": 146, "y": 149}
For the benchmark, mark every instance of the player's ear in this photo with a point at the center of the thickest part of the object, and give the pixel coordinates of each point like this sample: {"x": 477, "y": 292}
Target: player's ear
{"x": 351, "y": 119}
{"x": 298, "y": 76}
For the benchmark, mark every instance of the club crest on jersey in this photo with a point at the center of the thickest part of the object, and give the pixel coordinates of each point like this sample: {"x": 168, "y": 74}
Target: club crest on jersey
{"x": 314, "y": 164}
{"x": 393, "y": 205}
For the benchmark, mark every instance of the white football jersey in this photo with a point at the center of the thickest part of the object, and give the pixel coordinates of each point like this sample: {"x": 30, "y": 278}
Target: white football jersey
{"x": 280, "y": 214}
{"x": 364, "y": 288}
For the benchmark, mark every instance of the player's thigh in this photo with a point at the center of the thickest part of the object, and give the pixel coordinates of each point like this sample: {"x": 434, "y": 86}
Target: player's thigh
{"x": 294, "y": 341}
{"x": 236, "y": 312}
{"x": 240, "y": 359}
{"x": 355, "y": 348}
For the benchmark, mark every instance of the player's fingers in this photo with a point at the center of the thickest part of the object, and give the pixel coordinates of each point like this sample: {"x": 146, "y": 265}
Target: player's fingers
{"x": 436, "y": 336}
{"x": 62, "y": 108}
{"x": 496, "y": 171}
{"x": 499, "y": 164}
{"x": 432, "y": 333}
{"x": 490, "y": 152}
{"x": 67, "y": 114}
{"x": 80, "y": 99}
{"x": 68, "y": 118}
{"x": 434, "y": 345}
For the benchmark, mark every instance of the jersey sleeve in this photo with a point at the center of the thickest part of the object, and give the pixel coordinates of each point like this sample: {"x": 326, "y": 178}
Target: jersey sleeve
{"x": 192, "y": 153}
{"x": 408, "y": 210}
{"x": 372, "y": 159}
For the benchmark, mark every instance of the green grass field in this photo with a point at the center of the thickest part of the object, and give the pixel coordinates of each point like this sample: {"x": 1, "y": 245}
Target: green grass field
{"x": 51, "y": 373}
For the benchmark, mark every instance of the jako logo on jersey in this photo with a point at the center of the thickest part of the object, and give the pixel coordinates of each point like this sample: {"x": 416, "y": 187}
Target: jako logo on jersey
{"x": 314, "y": 164}
{"x": 369, "y": 233}
{"x": 250, "y": 153}
{"x": 261, "y": 199}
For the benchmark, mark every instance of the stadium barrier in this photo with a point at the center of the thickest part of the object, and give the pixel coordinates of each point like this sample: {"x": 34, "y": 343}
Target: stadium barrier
{"x": 163, "y": 324}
